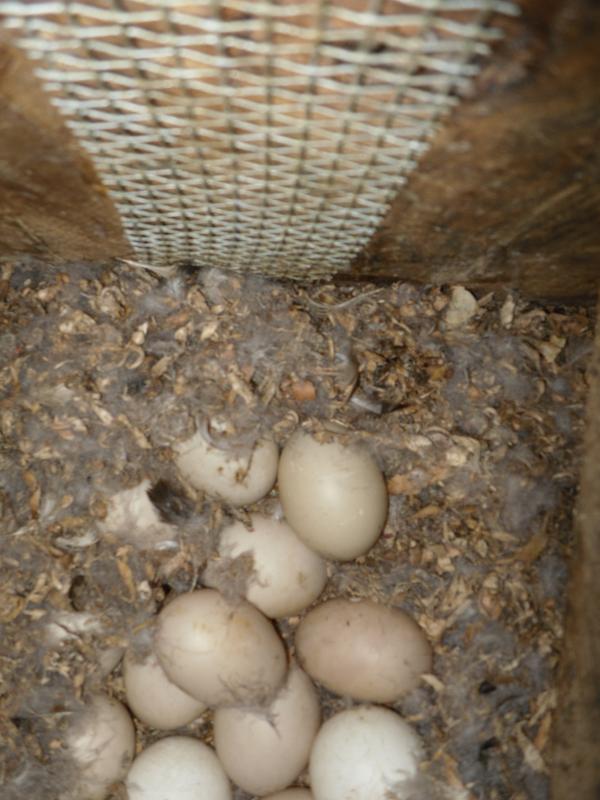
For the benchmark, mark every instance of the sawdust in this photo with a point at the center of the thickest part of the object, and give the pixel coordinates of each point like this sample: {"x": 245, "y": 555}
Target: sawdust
{"x": 477, "y": 426}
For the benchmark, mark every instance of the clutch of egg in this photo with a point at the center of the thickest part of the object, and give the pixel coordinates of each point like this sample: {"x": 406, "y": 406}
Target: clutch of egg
{"x": 209, "y": 651}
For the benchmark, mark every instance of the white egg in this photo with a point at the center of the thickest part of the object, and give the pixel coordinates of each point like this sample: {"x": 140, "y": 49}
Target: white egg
{"x": 365, "y": 753}
{"x": 287, "y": 576}
{"x": 333, "y": 496}
{"x": 239, "y": 477}
{"x": 101, "y": 743}
{"x": 219, "y": 653}
{"x": 152, "y": 697}
{"x": 291, "y": 794}
{"x": 264, "y": 750}
{"x": 363, "y": 649}
{"x": 177, "y": 768}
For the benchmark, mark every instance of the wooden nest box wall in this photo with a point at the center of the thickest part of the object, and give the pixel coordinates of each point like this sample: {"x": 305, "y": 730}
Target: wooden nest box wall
{"x": 480, "y": 167}
{"x": 456, "y": 147}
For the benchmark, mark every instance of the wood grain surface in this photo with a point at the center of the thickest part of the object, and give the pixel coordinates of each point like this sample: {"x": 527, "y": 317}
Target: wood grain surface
{"x": 52, "y": 205}
{"x": 576, "y": 759}
{"x": 509, "y": 193}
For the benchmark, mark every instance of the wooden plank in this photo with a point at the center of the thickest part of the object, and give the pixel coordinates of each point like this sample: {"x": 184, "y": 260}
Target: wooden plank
{"x": 576, "y": 759}
{"x": 52, "y": 205}
{"x": 509, "y": 194}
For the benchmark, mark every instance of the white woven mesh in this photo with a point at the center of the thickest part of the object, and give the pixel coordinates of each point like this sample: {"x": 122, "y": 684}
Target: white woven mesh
{"x": 253, "y": 135}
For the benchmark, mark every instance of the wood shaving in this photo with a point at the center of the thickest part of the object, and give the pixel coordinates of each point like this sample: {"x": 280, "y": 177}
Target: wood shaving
{"x": 477, "y": 428}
